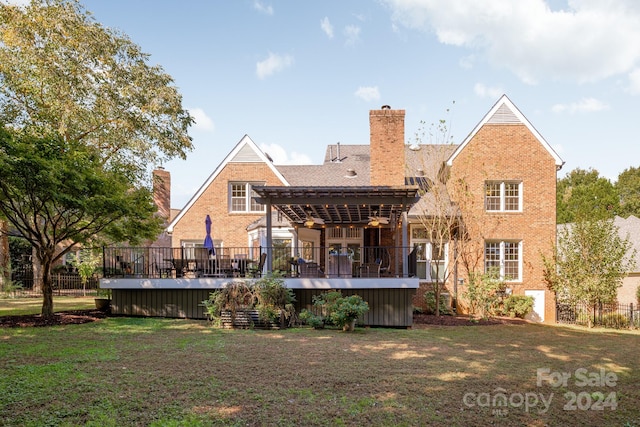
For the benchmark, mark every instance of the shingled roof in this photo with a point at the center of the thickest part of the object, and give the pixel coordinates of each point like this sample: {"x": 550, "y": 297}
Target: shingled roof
{"x": 343, "y": 166}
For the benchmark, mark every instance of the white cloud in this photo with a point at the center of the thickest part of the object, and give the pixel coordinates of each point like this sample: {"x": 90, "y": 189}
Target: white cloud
{"x": 588, "y": 41}
{"x": 326, "y": 27}
{"x": 487, "y": 92}
{"x": 368, "y": 93}
{"x": 634, "y": 82}
{"x": 203, "y": 122}
{"x": 281, "y": 157}
{"x": 267, "y": 10}
{"x": 352, "y": 34}
{"x": 585, "y": 105}
{"x": 273, "y": 64}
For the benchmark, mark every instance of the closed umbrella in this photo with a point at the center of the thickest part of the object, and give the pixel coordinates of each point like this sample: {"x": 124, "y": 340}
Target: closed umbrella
{"x": 208, "y": 242}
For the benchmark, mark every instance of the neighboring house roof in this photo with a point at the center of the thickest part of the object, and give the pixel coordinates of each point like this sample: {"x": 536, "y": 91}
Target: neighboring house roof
{"x": 245, "y": 151}
{"x": 505, "y": 112}
{"x": 630, "y": 228}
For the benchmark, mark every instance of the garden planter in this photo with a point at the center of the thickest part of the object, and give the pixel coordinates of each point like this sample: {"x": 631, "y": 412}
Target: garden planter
{"x": 246, "y": 319}
{"x": 349, "y": 326}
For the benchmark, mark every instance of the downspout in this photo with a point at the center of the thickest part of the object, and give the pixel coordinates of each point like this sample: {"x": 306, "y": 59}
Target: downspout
{"x": 405, "y": 244}
{"x": 269, "y": 238}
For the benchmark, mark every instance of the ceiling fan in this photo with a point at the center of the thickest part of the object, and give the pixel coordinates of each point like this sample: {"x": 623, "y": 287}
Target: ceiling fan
{"x": 310, "y": 221}
{"x": 375, "y": 220}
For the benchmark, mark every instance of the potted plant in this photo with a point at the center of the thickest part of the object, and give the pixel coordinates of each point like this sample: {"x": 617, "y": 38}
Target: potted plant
{"x": 339, "y": 310}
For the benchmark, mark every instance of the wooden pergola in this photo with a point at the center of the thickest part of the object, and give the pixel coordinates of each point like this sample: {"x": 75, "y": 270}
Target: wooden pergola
{"x": 339, "y": 206}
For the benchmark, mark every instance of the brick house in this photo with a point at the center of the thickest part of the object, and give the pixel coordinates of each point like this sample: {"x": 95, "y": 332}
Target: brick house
{"x": 508, "y": 169}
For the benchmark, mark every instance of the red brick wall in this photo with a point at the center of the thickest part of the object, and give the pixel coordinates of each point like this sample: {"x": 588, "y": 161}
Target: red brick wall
{"x": 230, "y": 227}
{"x": 387, "y": 147}
{"x": 511, "y": 152}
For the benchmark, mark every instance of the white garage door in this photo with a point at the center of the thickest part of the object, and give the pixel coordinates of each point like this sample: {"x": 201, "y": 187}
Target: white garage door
{"x": 537, "y": 315}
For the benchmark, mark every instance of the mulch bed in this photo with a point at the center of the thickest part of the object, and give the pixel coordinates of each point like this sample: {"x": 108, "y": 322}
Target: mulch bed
{"x": 86, "y": 316}
{"x": 75, "y": 317}
{"x": 430, "y": 319}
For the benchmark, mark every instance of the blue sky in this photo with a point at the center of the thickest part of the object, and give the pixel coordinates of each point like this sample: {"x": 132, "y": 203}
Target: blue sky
{"x": 298, "y": 75}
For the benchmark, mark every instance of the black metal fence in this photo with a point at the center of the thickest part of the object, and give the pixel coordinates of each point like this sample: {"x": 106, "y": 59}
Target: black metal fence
{"x": 193, "y": 262}
{"x": 23, "y": 285}
{"x": 618, "y": 316}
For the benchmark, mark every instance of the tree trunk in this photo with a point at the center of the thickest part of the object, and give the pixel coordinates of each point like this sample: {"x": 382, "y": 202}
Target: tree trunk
{"x": 5, "y": 259}
{"x": 46, "y": 285}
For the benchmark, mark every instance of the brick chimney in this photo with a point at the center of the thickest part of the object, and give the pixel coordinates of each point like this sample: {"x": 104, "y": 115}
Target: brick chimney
{"x": 387, "y": 146}
{"x": 162, "y": 192}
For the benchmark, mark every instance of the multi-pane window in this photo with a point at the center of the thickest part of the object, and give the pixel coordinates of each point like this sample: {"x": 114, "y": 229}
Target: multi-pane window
{"x": 431, "y": 258}
{"x": 241, "y": 198}
{"x": 503, "y": 259}
{"x": 503, "y": 196}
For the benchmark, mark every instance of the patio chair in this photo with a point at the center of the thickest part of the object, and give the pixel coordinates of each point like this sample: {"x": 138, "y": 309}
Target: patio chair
{"x": 223, "y": 266}
{"x": 310, "y": 269}
{"x": 370, "y": 269}
{"x": 256, "y": 271}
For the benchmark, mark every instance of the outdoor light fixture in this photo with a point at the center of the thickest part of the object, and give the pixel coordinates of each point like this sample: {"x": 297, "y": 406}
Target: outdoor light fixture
{"x": 374, "y": 223}
{"x": 309, "y": 223}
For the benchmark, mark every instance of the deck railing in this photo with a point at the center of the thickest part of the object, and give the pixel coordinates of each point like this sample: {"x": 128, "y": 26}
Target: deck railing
{"x": 195, "y": 262}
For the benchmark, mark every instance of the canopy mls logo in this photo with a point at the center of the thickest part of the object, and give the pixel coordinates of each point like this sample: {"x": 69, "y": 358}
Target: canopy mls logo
{"x": 582, "y": 376}
{"x": 597, "y": 398}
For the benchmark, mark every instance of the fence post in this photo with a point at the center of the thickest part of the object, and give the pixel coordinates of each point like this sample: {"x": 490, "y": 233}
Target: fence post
{"x": 631, "y": 324}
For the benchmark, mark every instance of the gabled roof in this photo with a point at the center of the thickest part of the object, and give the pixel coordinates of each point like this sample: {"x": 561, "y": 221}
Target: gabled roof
{"x": 245, "y": 151}
{"x": 504, "y": 112}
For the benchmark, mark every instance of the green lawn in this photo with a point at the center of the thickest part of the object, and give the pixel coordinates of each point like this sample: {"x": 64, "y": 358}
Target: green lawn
{"x": 18, "y": 306}
{"x": 162, "y": 372}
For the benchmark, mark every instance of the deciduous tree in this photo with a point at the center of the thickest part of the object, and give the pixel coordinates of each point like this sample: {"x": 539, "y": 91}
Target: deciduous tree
{"x": 628, "y": 187}
{"x": 59, "y": 194}
{"x": 585, "y": 194}
{"x": 88, "y": 97}
{"x": 589, "y": 262}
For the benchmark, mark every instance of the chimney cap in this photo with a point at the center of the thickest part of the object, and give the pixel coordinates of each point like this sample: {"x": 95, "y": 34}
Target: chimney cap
{"x": 385, "y": 107}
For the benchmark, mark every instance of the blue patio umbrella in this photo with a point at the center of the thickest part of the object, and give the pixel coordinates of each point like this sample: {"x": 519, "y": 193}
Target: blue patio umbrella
{"x": 208, "y": 242}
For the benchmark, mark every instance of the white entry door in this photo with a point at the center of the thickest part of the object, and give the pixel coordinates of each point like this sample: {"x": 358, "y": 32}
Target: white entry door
{"x": 537, "y": 314}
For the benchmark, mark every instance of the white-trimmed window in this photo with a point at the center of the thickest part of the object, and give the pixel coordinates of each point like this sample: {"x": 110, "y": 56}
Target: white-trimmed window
{"x": 503, "y": 196}
{"x": 241, "y": 197}
{"x": 431, "y": 258}
{"x": 504, "y": 257}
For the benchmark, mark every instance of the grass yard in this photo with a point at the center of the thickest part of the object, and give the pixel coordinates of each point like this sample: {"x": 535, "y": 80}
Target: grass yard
{"x": 162, "y": 372}
{"x": 19, "y": 306}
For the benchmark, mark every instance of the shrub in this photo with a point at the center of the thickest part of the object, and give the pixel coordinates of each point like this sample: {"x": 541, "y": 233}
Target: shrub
{"x": 430, "y": 303}
{"x": 232, "y": 297}
{"x": 273, "y": 299}
{"x": 311, "y": 319}
{"x": 517, "y": 306}
{"x": 267, "y": 295}
{"x": 338, "y": 310}
{"x": 484, "y": 293}
{"x": 615, "y": 320}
